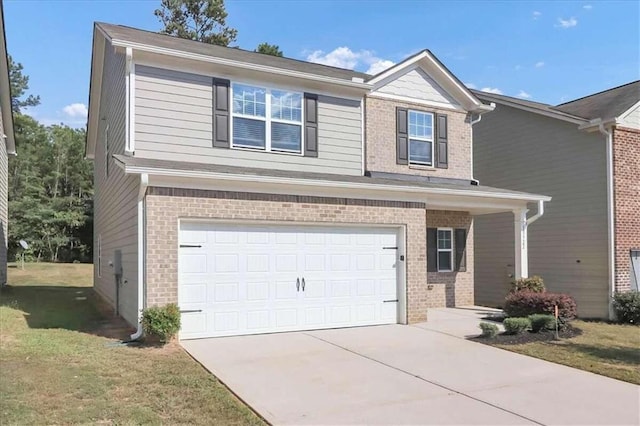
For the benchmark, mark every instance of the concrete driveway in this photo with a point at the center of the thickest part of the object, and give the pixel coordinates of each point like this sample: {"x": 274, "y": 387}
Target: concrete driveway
{"x": 407, "y": 375}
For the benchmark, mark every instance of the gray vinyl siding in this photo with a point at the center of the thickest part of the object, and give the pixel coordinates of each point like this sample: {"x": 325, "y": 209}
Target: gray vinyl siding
{"x": 417, "y": 84}
{"x": 632, "y": 120}
{"x": 4, "y": 205}
{"x": 173, "y": 121}
{"x": 115, "y": 201}
{"x": 523, "y": 151}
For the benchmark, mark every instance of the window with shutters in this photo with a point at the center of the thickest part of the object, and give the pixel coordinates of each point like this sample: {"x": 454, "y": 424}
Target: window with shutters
{"x": 266, "y": 119}
{"x": 420, "y": 138}
{"x": 445, "y": 250}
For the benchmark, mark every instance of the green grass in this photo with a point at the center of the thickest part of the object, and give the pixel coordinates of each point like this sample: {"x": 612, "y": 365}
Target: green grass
{"x": 611, "y": 350}
{"x": 57, "y": 366}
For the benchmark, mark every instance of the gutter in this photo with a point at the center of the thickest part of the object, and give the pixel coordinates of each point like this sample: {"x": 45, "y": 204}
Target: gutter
{"x": 238, "y": 64}
{"x": 333, "y": 184}
{"x": 144, "y": 183}
{"x": 608, "y": 134}
{"x": 539, "y": 213}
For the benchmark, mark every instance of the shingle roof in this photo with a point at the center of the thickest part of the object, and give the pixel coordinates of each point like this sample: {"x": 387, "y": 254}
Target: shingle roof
{"x": 539, "y": 106}
{"x": 147, "y": 163}
{"x": 134, "y": 35}
{"x": 607, "y": 104}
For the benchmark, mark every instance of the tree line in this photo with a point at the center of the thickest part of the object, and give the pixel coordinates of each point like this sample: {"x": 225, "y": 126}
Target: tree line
{"x": 50, "y": 182}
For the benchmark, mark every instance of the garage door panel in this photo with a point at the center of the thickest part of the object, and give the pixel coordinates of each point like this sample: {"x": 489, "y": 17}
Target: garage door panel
{"x": 193, "y": 263}
{"x": 243, "y": 278}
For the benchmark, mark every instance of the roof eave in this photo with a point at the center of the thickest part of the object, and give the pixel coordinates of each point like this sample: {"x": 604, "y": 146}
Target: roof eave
{"x": 95, "y": 90}
{"x": 241, "y": 65}
{"x": 548, "y": 113}
{"x": 5, "y": 90}
{"x": 356, "y": 186}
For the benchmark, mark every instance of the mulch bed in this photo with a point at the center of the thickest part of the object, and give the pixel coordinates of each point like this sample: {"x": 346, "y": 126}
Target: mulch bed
{"x": 528, "y": 337}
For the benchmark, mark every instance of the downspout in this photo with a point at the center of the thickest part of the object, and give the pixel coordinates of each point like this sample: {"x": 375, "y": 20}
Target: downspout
{"x": 610, "y": 217}
{"x": 144, "y": 183}
{"x": 472, "y": 122}
{"x": 363, "y": 147}
{"x": 538, "y": 214}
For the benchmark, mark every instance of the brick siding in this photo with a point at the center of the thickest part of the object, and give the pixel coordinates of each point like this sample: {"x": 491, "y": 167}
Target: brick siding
{"x": 165, "y": 206}
{"x": 626, "y": 181}
{"x": 380, "y": 136}
{"x": 451, "y": 288}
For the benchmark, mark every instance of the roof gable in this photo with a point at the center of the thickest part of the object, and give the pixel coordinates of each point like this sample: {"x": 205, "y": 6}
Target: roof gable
{"x": 431, "y": 82}
{"x": 415, "y": 83}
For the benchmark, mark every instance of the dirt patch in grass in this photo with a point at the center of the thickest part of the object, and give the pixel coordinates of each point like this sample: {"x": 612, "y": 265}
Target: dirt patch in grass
{"x": 611, "y": 350}
{"x": 61, "y": 362}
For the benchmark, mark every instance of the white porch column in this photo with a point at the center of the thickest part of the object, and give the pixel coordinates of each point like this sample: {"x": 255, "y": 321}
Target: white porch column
{"x": 522, "y": 255}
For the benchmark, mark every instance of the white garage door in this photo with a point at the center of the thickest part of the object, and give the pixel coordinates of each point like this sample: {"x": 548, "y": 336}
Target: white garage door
{"x": 243, "y": 279}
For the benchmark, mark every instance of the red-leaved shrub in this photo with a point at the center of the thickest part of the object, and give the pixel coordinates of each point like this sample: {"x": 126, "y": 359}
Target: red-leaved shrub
{"x": 525, "y": 303}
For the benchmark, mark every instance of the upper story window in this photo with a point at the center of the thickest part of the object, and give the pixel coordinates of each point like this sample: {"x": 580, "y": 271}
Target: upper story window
{"x": 266, "y": 119}
{"x": 421, "y": 138}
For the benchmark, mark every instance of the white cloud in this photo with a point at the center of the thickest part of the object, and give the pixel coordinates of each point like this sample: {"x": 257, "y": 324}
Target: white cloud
{"x": 493, "y": 90}
{"x": 379, "y": 66}
{"x": 76, "y": 110}
{"x": 539, "y": 64}
{"x": 344, "y": 57}
{"x": 470, "y": 85}
{"x": 587, "y": 7}
{"x": 536, "y": 14}
{"x": 518, "y": 67}
{"x": 524, "y": 95}
{"x": 567, "y": 23}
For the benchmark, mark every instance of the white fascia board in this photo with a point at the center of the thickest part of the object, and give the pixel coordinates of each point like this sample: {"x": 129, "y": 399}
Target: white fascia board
{"x": 443, "y": 76}
{"x": 238, "y": 64}
{"x": 553, "y": 114}
{"x": 594, "y": 125}
{"x": 629, "y": 111}
{"x": 375, "y": 81}
{"x": 355, "y": 186}
{"x": 97, "y": 64}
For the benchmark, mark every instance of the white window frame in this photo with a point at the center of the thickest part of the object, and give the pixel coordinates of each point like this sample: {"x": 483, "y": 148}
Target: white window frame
{"x": 420, "y": 139}
{"x": 267, "y": 119}
{"x": 449, "y": 250}
{"x": 99, "y": 255}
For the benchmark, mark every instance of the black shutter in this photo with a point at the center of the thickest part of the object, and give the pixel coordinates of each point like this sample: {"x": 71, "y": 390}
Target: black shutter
{"x": 310, "y": 125}
{"x": 441, "y": 149}
{"x": 402, "y": 136}
{"x": 461, "y": 250}
{"x": 221, "y": 137}
{"x": 432, "y": 249}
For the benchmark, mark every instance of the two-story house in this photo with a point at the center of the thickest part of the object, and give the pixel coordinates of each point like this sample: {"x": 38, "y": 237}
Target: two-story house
{"x": 586, "y": 155}
{"x": 7, "y": 146}
{"x": 267, "y": 194}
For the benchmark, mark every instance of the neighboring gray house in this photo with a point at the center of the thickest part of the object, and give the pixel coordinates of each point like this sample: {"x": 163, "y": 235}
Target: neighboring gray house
{"x": 586, "y": 155}
{"x": 7, "y": 146}
{"x": 267, "y": 194}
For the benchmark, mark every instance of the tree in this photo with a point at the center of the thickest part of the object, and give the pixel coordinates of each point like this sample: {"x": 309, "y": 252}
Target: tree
{"x": 201, "y": 20}
{"x": 269, "y": 49}
{"x": 19, "y": 85}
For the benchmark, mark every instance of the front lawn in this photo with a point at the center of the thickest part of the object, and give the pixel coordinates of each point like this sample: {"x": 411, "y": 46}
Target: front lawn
{"x": 58, "y": 368}
{"x": 611, "y": 350}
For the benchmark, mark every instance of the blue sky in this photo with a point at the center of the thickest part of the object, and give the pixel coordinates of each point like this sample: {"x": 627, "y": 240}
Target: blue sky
{"x": 545, "y": 51}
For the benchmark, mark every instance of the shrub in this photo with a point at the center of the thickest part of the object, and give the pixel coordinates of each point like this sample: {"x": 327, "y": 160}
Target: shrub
{"x": 525, "y": 303}
{"x": 627, "y": 307}
{"x": 516, "y": 325}
{"x": 541, "y": 322}
{"x": 162, "y": 322}
{"x": 488, "y": 329}
{"x": 534, "y": 284}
